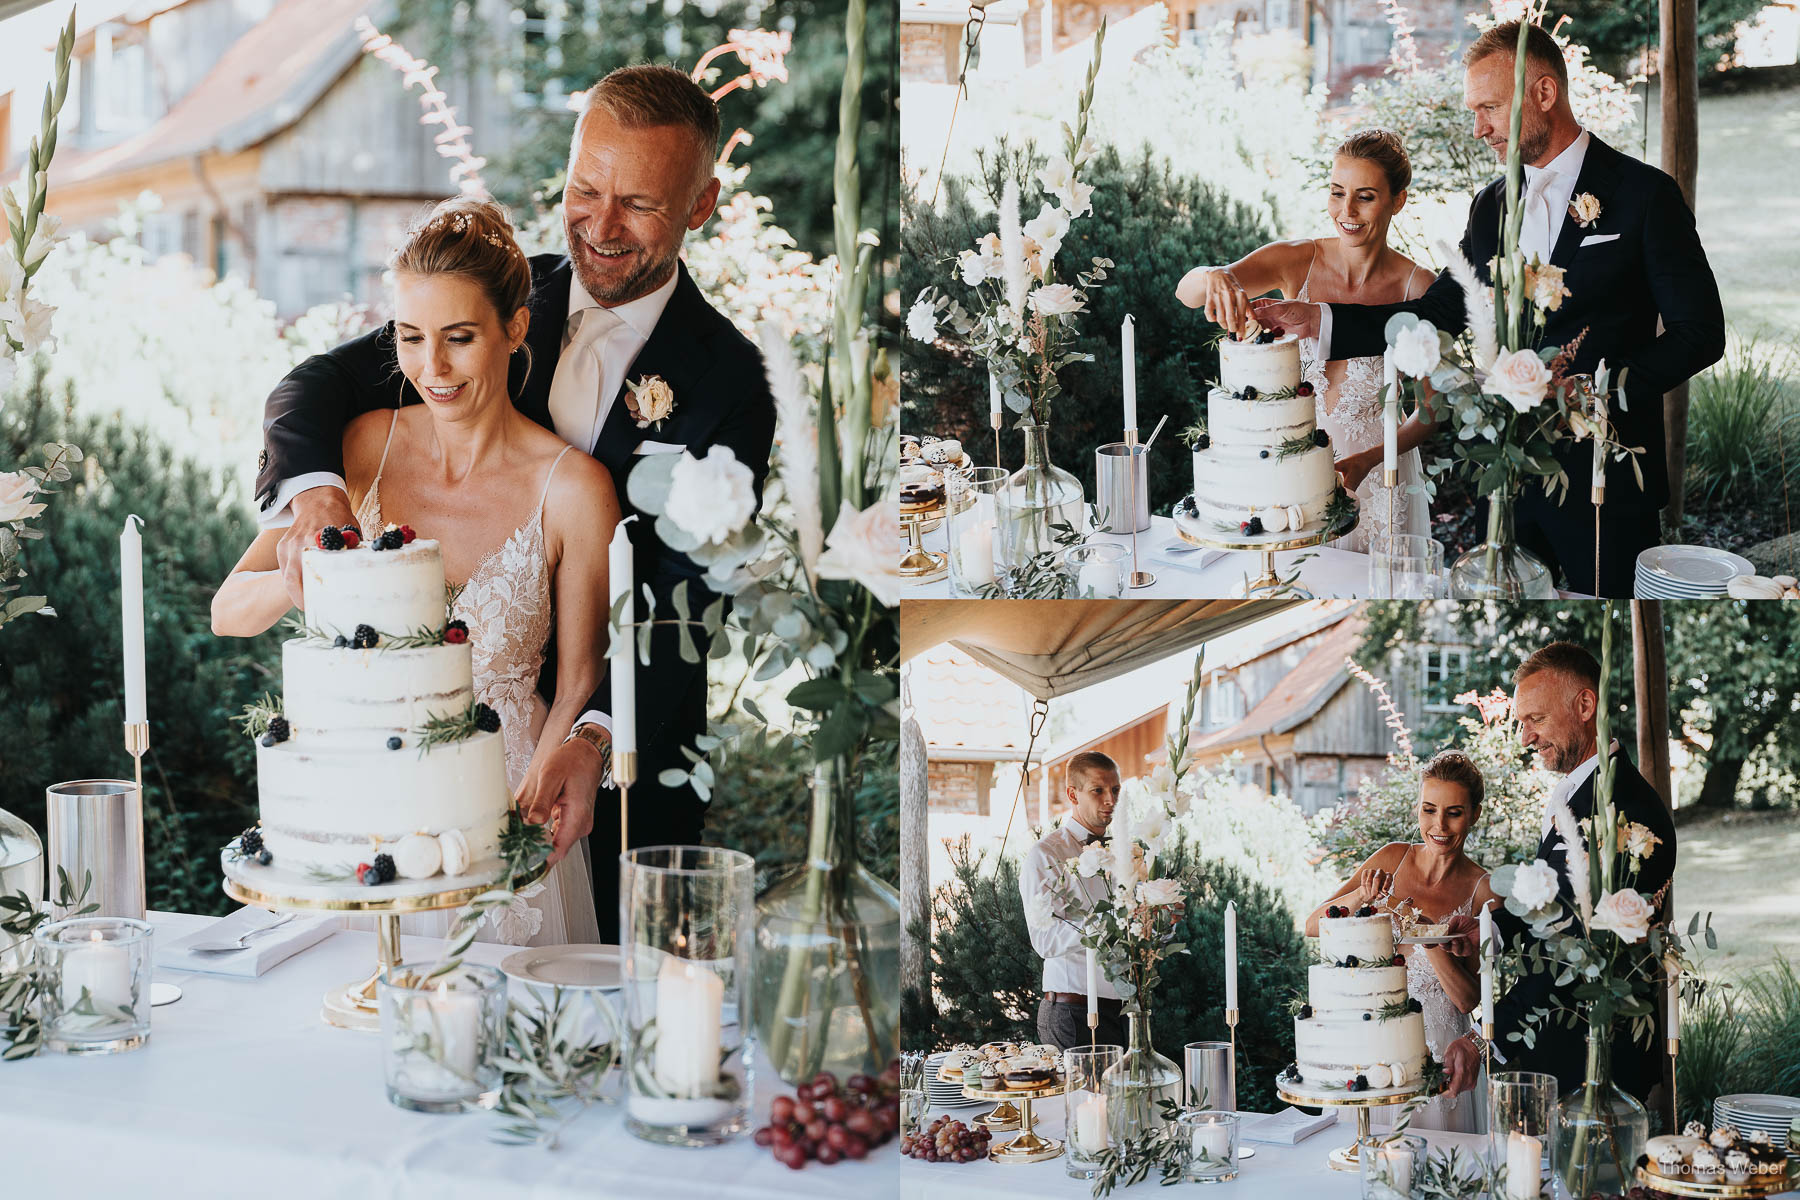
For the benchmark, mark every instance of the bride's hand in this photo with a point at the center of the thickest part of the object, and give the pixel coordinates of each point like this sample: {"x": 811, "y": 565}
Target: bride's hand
{"x": 563, "y": 787}
{"x": 1371, "y": 884}
{"x": 1354, "y": 468}
{"x": 1218, "y": 291}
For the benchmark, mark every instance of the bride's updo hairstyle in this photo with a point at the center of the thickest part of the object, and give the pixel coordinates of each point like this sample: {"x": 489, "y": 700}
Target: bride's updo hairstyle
{"x": 1453, "y": 766}
{"x": 470, "y": 236}
{"x": 1381, "y": 147}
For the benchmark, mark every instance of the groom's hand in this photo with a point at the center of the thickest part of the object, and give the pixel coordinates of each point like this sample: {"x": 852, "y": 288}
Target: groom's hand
{"x": 1466, "y": 930}
{"x": 564, "y": 786}
{"x": 1462, "y": 1065}
{"x": 314, "y": 509}
{"x": 1287, "y": 316}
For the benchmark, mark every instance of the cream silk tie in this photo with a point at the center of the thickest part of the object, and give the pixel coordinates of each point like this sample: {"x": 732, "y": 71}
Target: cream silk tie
{"x": 1534, "y": 231}
{"x": 576, "y": 403}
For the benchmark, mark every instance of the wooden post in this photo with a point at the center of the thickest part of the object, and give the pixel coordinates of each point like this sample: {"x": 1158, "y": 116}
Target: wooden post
{"x": 915, "y": 857}
{"x": 1652, "y": 703}
{"x": 1681, "y": 160}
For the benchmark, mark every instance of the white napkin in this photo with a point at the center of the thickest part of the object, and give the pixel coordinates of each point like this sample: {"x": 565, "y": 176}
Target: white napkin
{"x": 1286, "y": 1128}
{"x": 259, "y": 953}
{"x": 1192, "y": 560}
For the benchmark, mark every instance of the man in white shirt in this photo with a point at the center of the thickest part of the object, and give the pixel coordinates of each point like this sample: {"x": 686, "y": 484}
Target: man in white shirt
{"x": 1555, "y": 702}
{"x": 618, "y": 308}
{"x": 1093, "y": 790}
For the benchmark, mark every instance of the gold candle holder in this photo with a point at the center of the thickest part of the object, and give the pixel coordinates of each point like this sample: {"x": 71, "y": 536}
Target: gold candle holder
{"x": 624, "y": 774}
{"x": 1231, "y": 1022}
{"x": 1139, "y": 578}
{"x": 996, "y": 420}
{"x": 1674, "y": 1082}
{"x": 1093, "y": 1029}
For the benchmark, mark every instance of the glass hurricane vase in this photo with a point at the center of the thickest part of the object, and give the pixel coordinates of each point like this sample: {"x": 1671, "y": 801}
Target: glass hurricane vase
{"x": 1600, "y": 1130}
{"x": 1039, "y": 497}
{"x": 21, "y": 870}
{"x": 828, "y": 951}
{"x": 1137, "y": 1084}
{"x": 1499, "y": 569}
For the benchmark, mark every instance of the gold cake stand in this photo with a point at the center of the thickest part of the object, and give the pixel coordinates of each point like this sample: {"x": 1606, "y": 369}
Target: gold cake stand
{"x": 1348, "y": 1158}
{"x": 1267, "y": 545}
{"x": 353, "y": 1005}
{"x": 1028, "y": 1147}
{"x": 917, "y": 564}
{"x": 1772, "y": 1184}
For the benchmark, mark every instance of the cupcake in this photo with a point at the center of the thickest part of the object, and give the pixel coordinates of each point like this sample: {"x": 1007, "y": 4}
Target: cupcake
{"x": 1695, "y": 1129}
{"x": 991, "y": 1078}
{"x": 1724, "y": 1137}
{"x": 1669, "y": 1161}
{"x": 946, "y": 450}
{"x": 1737, "y": 1167}
{"x": 1707, "y": 1166}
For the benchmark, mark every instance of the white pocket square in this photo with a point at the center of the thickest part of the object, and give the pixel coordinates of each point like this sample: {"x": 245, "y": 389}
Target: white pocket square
{"x": 650, "y": 447}
{"x": 1594, "y": 239}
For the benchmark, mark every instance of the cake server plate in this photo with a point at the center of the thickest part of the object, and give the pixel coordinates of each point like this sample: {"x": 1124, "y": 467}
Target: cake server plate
{"x": 578, "y": 966}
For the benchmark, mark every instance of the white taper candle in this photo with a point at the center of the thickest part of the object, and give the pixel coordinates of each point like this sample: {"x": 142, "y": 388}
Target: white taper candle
{"x": 1093, "y": 982}
{"x": 1674, "y": 1022}
{"x": 619, "y": 583}
{"x": 1390, "y": 414}
{"x": 1231, "y": 999}
{"x": 1487, "y": 966}
{"x": 1128, "y": 354}
{"x": 131, "y": 603}
{"x": 993, "y": 394}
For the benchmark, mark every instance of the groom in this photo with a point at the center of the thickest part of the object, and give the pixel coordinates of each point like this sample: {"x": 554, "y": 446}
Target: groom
{"x": 1555, "y": 700}
{"x": 618, "y": 308}
{"x": 1639, "y": 261}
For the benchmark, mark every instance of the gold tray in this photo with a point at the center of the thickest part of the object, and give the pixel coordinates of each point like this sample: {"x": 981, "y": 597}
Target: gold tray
{"x": 1766, "y": 1185}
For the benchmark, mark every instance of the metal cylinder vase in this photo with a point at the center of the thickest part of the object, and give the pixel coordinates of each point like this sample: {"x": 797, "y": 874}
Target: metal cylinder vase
{"x": 96, "y": 829}
{"x": 1112, "y": 489}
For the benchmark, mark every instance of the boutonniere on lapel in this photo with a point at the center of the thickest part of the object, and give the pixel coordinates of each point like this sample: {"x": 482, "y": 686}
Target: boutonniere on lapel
{"x": 651, "y": 401}
{"x": 1585, "y": 209}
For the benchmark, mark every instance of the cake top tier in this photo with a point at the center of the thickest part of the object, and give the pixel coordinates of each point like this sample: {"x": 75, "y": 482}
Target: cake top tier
{"x": 395, "y": 592}
{"x": 1266, "y": 366}
{"x": 1368, "y": 939}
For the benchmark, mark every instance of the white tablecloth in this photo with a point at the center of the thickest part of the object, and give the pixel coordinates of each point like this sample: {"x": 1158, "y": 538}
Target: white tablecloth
{"x": 243, "y": 1091}
{"x": 1327, "y": 572}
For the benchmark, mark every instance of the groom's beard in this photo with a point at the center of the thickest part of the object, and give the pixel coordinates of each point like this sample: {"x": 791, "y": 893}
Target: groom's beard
{"x": 1563, "y": 758}
{"x": 645, "y": 278}
{"x": 1533, "y": 141}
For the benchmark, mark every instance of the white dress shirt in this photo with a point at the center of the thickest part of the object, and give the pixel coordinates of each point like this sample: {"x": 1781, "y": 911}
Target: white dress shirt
{"x": 1058, "y": 940}
{"x": 1543, "y": 220}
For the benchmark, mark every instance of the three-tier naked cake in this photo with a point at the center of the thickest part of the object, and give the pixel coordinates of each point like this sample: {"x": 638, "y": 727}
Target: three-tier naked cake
{"x": 380, "y": 775}
{"x": 1262, "y": 464}
{"x": 1359, "y": 1033}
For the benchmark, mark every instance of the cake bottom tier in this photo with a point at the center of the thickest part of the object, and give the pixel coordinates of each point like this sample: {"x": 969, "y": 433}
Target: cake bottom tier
{"x": 1332, "y": 1050}
{"x": 1233, "y": 484}
{"x": 323, "y": 806}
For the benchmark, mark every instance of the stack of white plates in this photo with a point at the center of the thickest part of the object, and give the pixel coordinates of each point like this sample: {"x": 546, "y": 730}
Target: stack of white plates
{"x": 943, "y": 1093}
{"x": 1687, "y": 572}
{"x": 1774, "y": 1115}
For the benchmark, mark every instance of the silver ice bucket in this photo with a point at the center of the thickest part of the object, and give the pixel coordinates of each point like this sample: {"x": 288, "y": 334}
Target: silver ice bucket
{"x": 1112, "y": 489}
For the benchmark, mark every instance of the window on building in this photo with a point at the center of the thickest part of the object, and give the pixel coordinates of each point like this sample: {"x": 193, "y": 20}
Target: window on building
{"x": 1444, "y": 666}
{"x": 1277, "y": 14}
{"x": 1224, "y": 703}
{"x": 121, "y": 83}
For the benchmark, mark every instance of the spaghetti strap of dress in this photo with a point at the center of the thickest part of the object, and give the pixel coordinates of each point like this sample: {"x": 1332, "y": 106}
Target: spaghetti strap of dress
{"x": 545, "y": 494}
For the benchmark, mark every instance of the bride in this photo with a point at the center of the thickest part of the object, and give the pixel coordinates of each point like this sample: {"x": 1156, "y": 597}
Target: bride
{"x": 1369, "y": 176}
{"x": 1435, "y": 878}
{"x": 521, "y": 518}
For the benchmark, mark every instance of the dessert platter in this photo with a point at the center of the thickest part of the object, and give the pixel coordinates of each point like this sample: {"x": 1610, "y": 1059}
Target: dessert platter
{"x": 381, "y": 781}
{"x": 1265, "y": 477}
{"x": 1022, "y": 1077}
{"x": 994, "y": 1069}
{"x": 1726, "y": 1163}
{"x": 1359, "y": 1040}
{"x": 922, "y": 492}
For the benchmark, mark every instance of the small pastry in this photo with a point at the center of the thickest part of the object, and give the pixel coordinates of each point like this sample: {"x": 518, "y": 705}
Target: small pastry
{"x": 1737, "y": 1167}
{"x": 954, "y": 1064}
{"x": 1758, "y": 1137}
{"x": 1379, "y": 1075}
{"x": 453, "y": 851}
{"x": 1724, "y": 1137}
{"x": 948, "y": 450}
{"x": 1669, "y": 1161}
{"x": 923, "y": 494}
{"x": 417, "y": 856}
{"x": 1695, "y": 1129}
{"x": 1275, "y": 520}
{"x": 909, "y": 448}
{"x": 1706, "y": 1165}
{"x": 1025, "y": 1081}
{"x": 1683, "y": 1146}
{"x": 1296, "y": 517}
{"x": 1399, "y": 1074}
{"x": 990, "y": 1077}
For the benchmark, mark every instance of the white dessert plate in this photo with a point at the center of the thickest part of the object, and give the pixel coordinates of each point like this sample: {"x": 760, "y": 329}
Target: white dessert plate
{"x": 1436, "y": 939}
{"x": 1692, "y": 565}
{"x": 590, "y": 966}
{"x": 1761, "y": 1108}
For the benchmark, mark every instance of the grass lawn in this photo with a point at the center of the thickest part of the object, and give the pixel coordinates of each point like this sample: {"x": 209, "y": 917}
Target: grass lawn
{"x": 1741, "y": 870}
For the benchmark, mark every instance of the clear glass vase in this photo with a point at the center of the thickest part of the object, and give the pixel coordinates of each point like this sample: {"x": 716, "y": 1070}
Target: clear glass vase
{"x": 1499, "y": 569}
{"x": 1138, "y": 1083}
{"x": 21, "y": 870}
{"x": 1038, "y": 498}
{"x": 1600, "y": 1130}
{"x": 828, "y": 951}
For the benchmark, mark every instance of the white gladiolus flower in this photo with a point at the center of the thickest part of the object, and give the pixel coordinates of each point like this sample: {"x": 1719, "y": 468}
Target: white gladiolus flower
{"x": 1534, "y": 885}
{"x": 712, "y": 498}
{"x": 1625, "y": 913}
{"x": 921, "y": 321}
{"x": 1058, "y": 299}
{"x": 29, "y": 324}
{"x": 1158, "y": 892}
{"x": 1520, "y": 378}
{"x": 1416, "y": 351}
{"x": 1153, "y": 829}
{"x": 1092, "y": 860}
{"x": 1047, "y": 230}
{"x": 1058, "y": 178}
{"x": 973, "y": 269}
{"x": 7, "y": 369}
{"x": 43, "y": 239}
{"x": 860, "y": 548}
{"x": 12, "y": 275}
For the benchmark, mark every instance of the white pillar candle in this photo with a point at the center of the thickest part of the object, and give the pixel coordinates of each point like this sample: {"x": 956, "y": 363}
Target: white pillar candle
{"x": 1231, "y": 997}
{"x": 1674, "y": 1022}
{"x": 624, "y": 668}
{"x": 1093, "y": 982}
{"x": 100, "y": 968}
{"x": 1390, "y": 414}
{"x": 1487, "y": 966}
{"x": 1090, "y": 1124}
{"x": 1128, "y": 353}
{"x": 131, "y": 603}
{"x": 1522, "y": 1153}
{"x": 1212, "y": 1139}
{"x": 690, "y": 1001}
{"x": 1396, "y": 1163}
{"x": 993, "y": 394}
{"x": 975, "y": 548}
{"x": 1098, "y": 579}
{"x": 456, "y": 1027}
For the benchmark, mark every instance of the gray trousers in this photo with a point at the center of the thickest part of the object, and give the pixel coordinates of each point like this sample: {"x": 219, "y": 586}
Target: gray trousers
{"x": 1065, "y": 1026}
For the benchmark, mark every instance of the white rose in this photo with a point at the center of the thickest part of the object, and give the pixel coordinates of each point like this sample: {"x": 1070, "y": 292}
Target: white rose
{"x": 861, "y": 549}
{"x": 1534, "y": 885}
{"x": 1058, "y": 299}
{"x": 921, "y": 321}
{"x": 653, "y": 399}
{"x": 1158, "y": 892}
{"x": 1047, "y": 230}
{"x": 1520, "y": 378}
{"x": 15, "y": 494}
{"x": 1625, "y": 913}
{"x": 973, "y": 269}
{"x": 1586, "y": 207}
{"x": 1153, "y": 829}
{"x": 1092, "y": 860}
{"x": 1639, "y": 841}
{"x": 1416, "y": 351}
{"x": 713, "y": 497}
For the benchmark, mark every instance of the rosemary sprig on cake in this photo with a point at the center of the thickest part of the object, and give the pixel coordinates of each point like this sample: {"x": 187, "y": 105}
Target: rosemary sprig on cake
{"x": 1341, "y": 510}
{"x": 1300, "y": 443}
{"x": 257, "y": 717}
{"x": 440, "y": 731}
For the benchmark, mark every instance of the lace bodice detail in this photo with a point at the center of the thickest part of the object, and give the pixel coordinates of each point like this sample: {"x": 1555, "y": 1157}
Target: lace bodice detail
{"x": 506, "y": 603}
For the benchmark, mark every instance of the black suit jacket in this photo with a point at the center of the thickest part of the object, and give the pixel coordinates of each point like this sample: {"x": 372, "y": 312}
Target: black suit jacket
{"x": 1653, "y": 266}
{"x": 1558, "y": 1049}
{"x": 721, "y": 398}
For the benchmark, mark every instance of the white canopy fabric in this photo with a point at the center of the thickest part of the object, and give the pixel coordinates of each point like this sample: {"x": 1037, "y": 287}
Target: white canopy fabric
{"x": 1054, "y": 647}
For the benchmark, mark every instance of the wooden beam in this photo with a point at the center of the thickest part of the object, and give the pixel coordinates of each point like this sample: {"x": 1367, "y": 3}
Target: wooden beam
{"x": 1681, "y": 160}
{"x": 1651, "y": 672}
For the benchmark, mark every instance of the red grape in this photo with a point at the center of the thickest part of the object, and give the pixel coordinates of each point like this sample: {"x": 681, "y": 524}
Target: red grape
{"x": 781, "y": 1110}
{"x": 828, "y": 1155}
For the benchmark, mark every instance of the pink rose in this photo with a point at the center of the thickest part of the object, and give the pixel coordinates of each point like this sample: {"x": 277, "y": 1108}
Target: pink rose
{"x": 1625, "y": 913}
{"x": 16, "y": 491}
{"x": 1520, "y": 378}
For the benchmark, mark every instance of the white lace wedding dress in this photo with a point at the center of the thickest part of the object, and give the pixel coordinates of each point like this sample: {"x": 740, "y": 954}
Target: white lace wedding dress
{"x": 1350, "y": 411}
{"x": 506, "y": 603}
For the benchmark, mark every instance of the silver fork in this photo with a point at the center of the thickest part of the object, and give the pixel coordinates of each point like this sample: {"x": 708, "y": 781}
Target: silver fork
{"x": 227, "y": 947}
